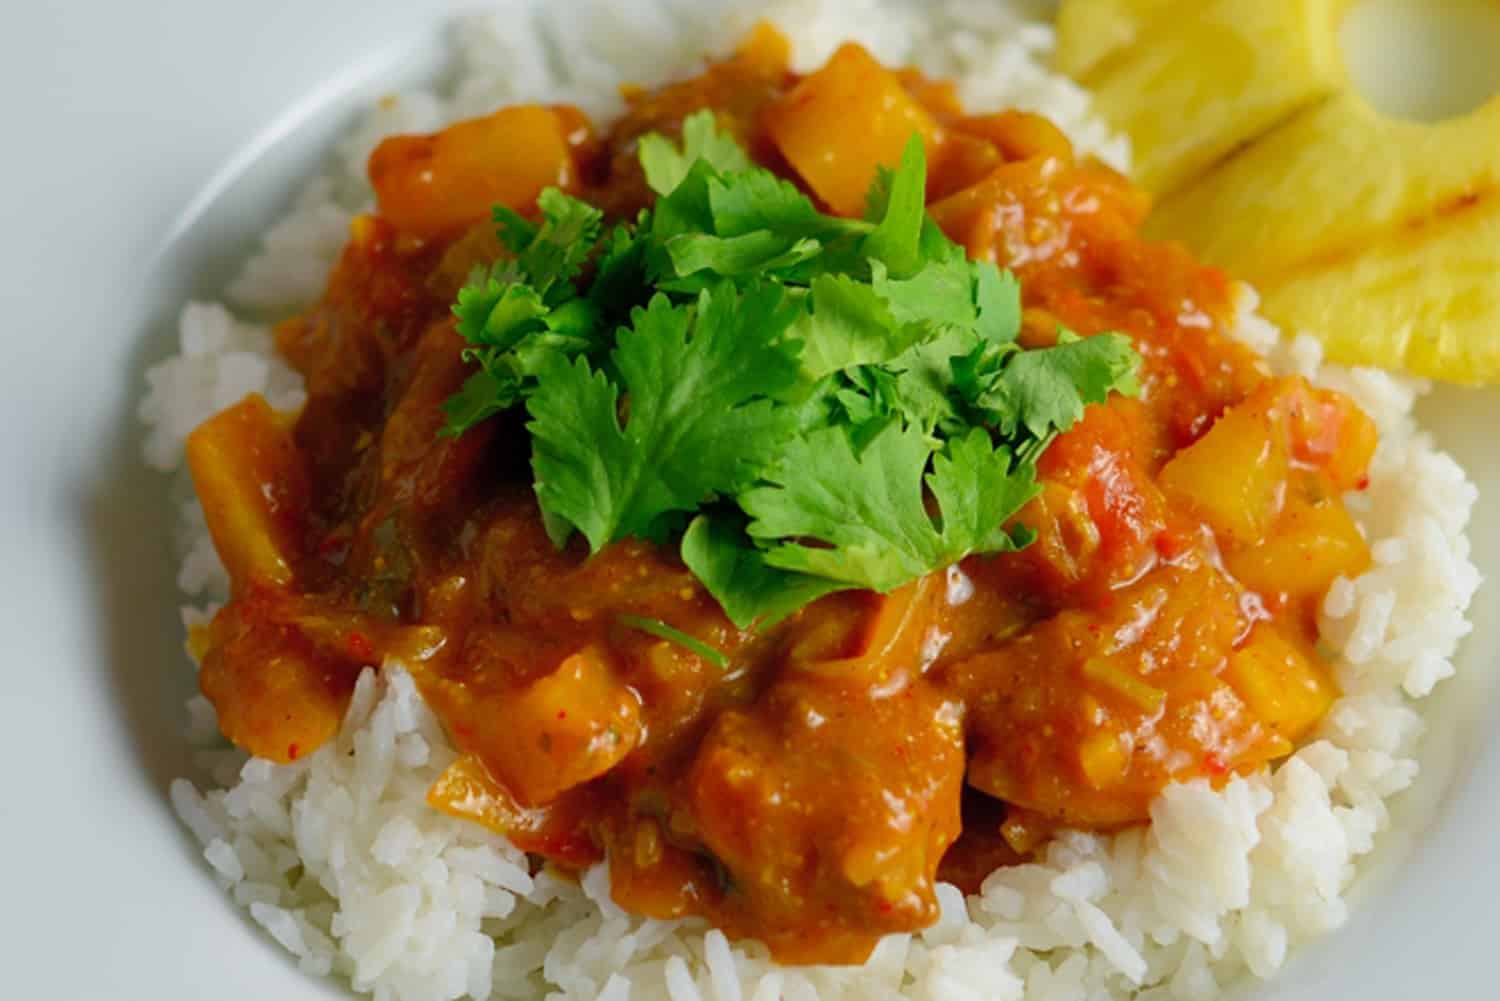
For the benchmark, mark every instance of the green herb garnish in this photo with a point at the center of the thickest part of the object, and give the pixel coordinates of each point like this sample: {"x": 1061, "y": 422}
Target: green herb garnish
{"x": 659, "y": 629}
{"x": 806, "y": 404}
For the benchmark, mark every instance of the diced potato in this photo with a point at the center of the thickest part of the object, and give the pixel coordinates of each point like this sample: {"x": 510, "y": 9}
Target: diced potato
{"x": 1310, "y": 546}
{"x": 1285, "y": 688}
{"x": 1235, "y": 475}
{"x": 1213, "y": 76}
{"x": 253, "y": 485}
{"x": 840, "y": 124}
{"x": 432, "y": 185}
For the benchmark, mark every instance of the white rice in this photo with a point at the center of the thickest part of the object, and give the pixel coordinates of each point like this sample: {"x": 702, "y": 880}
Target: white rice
{"x": 341, "y": 861}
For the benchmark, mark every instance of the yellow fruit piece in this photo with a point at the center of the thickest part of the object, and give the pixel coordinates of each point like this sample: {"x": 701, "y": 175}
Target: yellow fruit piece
{"x": 1326, "y": 184}
{"x": 1233, "y": 476}
{"x": 250, "y": 477}
{"x": 1286, "y": 689}
{"x": 840, "y": 125}
{"x": 1090, "y": 31}
{"x": 1376, "y": 234}
{"x": 1310, "y": 546}
{"x": 1104, "y": 759}
{"x": 1207, "y": 79}
{"x": 1425, "y": 302}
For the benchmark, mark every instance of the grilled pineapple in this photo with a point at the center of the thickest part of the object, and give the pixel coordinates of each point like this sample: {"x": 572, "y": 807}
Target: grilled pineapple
{"x": 1090, "y": 31}
{"x": 1323, "y": 186}
{"x": 1425, "y": 300}
{"x": 1206, "y": 77}
{"x": 1380, "y": 235}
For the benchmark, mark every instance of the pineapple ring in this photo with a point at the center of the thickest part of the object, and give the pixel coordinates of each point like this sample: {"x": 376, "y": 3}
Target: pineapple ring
{"x": 1381, "y": 235}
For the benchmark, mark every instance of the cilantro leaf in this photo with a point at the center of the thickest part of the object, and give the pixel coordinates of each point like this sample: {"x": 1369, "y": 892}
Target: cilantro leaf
{"x": 484, "y": 394}
{"x": 896, "y": 240}
{"x": 556, "y": 250}
{"x": 751, "y": 254}
{"x": 751, "y": 592}
{"x": 861, "y": 519}
{"x": 696, "y": 382}
{"x": 525, "y": 308}
{"x": 1044, "y": 391}
{"x": 809, "y": 403}
{"x": 997, "y": 296}
{"x": 979, "y": 486}
{"x": 940, "y": 295}
{"x": 661, "y": 630}
{"x": 497, "y": 315}
{"x": 848, "y": 325}
{"x": 755, "y": 200}
{"x": 667, "y": 165}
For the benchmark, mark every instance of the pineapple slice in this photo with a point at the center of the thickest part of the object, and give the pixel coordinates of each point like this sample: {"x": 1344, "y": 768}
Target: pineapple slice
{"x": 1380, "y": 235}
{"x": 1090, "y": 31}
{"x": 1423, "y": 301}
{"x": 1210, "y": 78}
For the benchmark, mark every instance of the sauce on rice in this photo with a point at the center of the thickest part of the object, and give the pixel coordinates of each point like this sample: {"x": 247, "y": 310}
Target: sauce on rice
{"x": 1161, "y": 628}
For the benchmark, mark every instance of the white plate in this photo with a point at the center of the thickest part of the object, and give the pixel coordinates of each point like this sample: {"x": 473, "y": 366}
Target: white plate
{"x": 143, "y": 146}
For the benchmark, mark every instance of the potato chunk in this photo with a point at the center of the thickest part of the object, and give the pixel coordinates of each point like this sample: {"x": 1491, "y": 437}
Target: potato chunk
{"x": 844, "y": 122}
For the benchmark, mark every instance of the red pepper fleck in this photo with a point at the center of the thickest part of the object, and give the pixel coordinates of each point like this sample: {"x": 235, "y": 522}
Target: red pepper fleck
{"x": 292, "y": 751}
{"x": 562, "y": 714}
{"x": 1215, "y": 765}
{"x": 360, "y": 646}
{"x": 1363, "y": 484}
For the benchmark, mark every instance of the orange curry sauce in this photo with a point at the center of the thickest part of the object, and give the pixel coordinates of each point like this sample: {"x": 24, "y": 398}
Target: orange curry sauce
{"x": 1162, "y": 627}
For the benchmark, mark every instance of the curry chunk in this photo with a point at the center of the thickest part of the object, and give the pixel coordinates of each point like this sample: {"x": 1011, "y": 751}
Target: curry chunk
{"x": 277, "y": 694}
{"x": 831, "y": 805}
{"x": 1086, "y": 717}
{"x": 545, "y": 735}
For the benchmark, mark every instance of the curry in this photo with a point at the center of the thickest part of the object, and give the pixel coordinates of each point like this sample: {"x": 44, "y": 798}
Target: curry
{"x": 810, "y": 784}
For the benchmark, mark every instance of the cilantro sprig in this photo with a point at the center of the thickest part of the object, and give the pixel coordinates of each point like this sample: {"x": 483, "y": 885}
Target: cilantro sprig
{"x": 803, "y": 403}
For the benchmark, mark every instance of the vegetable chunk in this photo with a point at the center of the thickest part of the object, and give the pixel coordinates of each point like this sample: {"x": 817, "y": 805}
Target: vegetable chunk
{"x": 846, "y": 121}
{"x": 430, "y": 185}
{"x": 253, "y": 486}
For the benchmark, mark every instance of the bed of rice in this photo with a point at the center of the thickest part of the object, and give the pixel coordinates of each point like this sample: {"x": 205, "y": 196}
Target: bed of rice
{"x": 340, "y": 860}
